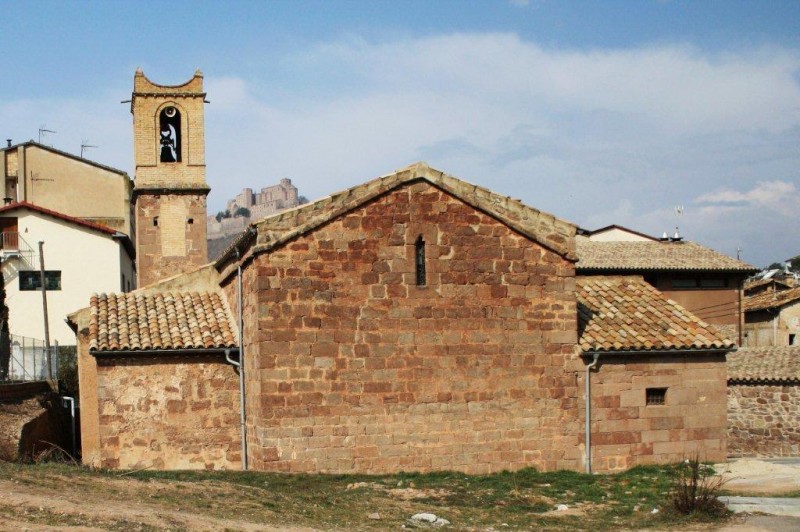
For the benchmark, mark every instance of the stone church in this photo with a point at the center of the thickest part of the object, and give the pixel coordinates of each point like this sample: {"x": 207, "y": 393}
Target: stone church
{"x": 414, "y": 322}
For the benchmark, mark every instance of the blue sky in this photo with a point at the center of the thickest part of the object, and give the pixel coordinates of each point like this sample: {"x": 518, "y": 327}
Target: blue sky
{"x": 599, "y": 112}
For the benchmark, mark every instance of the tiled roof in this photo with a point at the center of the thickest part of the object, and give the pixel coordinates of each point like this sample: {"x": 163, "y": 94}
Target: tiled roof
{"x": 60, "y": 216}
{"x": 178, "y": 320}
{"x": 641, "y": 255}
{"x": 618, "y": 314}
{"x": 771, "y": 299}
{"x": 549, "y": 231}
{"x": 765, "y": 364}
{"x": 758, "y": 283}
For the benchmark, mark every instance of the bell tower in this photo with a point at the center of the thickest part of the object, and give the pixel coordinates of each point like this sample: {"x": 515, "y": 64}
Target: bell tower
{"x": 170, "y": 183}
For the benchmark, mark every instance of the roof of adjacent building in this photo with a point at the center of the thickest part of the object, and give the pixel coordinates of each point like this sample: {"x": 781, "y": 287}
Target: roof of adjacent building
{"x": 100, "y": 228}
{"x": 626, "y": 314}
{"x": 551, "y": 232}
{"x": 612, "y": 227}
{"x": 764, "y": 364}
{"x": 58, "y": 215}
{"x": 771, "y": 299}
{"x": 649, "y": 256}
{"x": 65, "y": 154}
{"x": 160, "y": 321}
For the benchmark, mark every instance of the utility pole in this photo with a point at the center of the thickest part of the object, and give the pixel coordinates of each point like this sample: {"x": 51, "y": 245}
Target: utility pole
{"x": 42, "y": 280}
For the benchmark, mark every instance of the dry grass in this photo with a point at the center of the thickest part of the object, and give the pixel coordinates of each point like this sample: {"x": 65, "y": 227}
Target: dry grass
{"x": 53, "y": 494}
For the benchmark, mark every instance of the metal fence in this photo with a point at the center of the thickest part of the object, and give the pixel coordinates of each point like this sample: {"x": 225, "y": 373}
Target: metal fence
{"x": 29, "y": 360}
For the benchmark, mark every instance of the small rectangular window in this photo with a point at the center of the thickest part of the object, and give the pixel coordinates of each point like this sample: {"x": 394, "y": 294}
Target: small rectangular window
{"x": 713, "y": 282}
{"x": 656, "y": 396}
{"x": 419, "y": 259}
{"x": 684, "y": 282}
{"x": 31, "y": 280}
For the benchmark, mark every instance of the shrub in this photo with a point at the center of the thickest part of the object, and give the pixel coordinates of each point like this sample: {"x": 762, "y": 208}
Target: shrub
{"x": 696, "y": 488}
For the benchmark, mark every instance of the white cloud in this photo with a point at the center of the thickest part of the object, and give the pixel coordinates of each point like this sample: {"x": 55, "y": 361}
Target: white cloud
{"x": 777, "y": 196}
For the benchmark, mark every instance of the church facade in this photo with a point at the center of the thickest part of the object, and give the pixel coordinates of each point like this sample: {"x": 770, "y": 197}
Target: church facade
{"x": 414, "y": 322}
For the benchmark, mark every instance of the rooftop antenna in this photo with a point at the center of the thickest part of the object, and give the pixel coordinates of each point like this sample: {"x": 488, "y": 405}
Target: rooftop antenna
{"x": 678, "y": 214}
{"x": 85, "y": 146}
{"x": 43, "y": 131}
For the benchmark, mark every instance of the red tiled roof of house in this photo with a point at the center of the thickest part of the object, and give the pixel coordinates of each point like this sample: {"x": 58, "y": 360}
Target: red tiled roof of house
{"x": 58, "y": 215}
{"x": 619, "y": 314}
{"x": 179, "y": 320}
{"x": 771, "y": 299}
{"x": 764, "y": 364}
{"x": 641, "y": 255}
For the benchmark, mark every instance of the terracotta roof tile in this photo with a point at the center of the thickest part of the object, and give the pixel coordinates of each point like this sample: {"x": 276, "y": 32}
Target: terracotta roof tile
{"x": 179, "y": 320}
{"x": 642, "y": 255}
{"x": 626, "y": 314}
{"x": 771, "y": 299}
{"x": 764, "y": 364}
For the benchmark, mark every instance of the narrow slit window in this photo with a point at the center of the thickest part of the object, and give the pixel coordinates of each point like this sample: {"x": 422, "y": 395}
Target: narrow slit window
{"x": 419, "y": 254}
{"x": 656, "y": 396}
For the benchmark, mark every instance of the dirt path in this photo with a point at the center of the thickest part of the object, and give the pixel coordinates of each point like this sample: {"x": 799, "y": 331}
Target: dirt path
{"x": 109, "y": 507}
{"x": 753, "y": 476}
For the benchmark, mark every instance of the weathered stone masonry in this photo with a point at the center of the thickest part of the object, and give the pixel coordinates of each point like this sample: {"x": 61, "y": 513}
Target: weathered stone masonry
{"x": 169, "y": 414}
{"x": 627, "y": 432}
{"x": 764, "y": 419}
{"x": 353, "y": 367}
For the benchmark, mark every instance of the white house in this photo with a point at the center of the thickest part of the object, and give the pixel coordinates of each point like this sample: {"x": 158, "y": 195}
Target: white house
{"x": 80, "y": 258}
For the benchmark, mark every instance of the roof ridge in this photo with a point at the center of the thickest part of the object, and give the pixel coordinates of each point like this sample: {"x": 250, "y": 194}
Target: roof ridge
{"x": 522, "y": 218}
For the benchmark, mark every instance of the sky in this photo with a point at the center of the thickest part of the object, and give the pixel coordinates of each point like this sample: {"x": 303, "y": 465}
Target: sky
{"x": 598, "y": 112}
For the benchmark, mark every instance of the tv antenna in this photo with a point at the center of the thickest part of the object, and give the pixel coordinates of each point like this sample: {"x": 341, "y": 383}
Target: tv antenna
{"x": 678, "y": 214}
{"x": 43, "y": 131}
{"x": 85, "y": 146}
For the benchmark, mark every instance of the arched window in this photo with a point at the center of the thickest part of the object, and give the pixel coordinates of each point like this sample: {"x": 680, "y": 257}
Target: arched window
{"x": 170, "y": 135}
{"x": 419, "y": 260}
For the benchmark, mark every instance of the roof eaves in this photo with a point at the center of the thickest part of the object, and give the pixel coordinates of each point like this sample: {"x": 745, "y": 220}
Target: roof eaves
{"x": 66, "y": 154}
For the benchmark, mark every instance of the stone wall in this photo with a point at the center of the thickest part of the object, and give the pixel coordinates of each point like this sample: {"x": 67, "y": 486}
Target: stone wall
{"x": 764, "y": 419}
{"x": 170, "y": 235}
{"x": 627, "y": 432}
{"x": 168, "y": 412}
{"x": 353, "y": 367}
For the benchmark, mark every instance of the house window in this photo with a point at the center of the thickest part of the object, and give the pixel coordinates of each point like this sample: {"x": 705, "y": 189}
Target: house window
{"x": 419, "y": 260}
{"x": 656, "y": 396}
{"x": 791, "y": 339}
{"x": 698, "y": 282}
{"x": 31, "y": 280}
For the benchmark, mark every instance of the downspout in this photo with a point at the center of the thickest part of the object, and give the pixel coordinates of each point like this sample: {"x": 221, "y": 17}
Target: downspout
{"x": 240, "y": 363}
{"x": 589, "y": 412}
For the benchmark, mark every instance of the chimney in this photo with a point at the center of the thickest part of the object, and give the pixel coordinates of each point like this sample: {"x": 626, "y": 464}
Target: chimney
{"x": 8, "y": 142}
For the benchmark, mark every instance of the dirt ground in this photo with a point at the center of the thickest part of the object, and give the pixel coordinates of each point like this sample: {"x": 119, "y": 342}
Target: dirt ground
{"x": 114, "y": 506}
{"x": 118, "y": 503}
{"x": 760, "y": 477}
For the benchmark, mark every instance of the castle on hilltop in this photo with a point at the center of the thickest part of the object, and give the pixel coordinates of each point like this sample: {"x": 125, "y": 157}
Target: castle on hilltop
{"x": 249, "y": 206}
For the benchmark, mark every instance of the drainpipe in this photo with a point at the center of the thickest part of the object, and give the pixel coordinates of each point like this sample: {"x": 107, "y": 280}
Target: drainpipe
{"x": 589, "y": 413}
{"x": 240, "y": 363}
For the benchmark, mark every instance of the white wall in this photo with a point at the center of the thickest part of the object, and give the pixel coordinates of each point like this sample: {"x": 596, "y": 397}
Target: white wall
{"x": 89, "y": 261}
{"x": 618, "y": 235}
